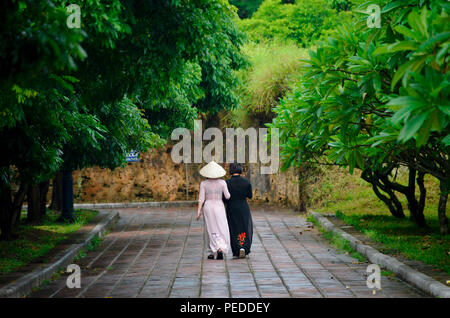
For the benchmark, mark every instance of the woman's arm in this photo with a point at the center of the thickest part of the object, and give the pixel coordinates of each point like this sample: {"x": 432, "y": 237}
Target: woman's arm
{"x": 201, "y": 199}
{"x": 199, "y": 209}
{"x": 225, "y": 191}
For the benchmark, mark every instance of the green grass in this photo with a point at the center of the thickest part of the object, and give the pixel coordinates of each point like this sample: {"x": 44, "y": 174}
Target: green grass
{"x": 353, "y": 201}
{"x": 274, "y": 68}
{"x": 387, "y": 273}
{"x": 80, "y": 255}
{"x": 35, "y": 241}
{"x": 338, "y": 241}
{"x": 92, "y": 246}
{"x": 94, "y": 243}
{"x": 399, "y": 236}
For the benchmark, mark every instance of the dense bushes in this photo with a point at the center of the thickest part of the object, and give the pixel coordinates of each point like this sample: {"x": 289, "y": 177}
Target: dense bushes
{"x": 73, "y": 98}
{"x": 276, "y": 32}
{"x": 246, "y": 8}
{"x": 274, "y": 67}
{"x": 303, "y": 21}
{"x": 378, "y": 99}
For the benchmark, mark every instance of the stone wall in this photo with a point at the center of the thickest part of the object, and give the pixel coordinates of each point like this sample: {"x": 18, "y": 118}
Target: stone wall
{"x": 280, "y": 188}
{"x": 157, "y": 178}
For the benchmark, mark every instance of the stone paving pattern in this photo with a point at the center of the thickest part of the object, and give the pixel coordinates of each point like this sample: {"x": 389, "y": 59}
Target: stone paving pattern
{"x": 160, "y": 252}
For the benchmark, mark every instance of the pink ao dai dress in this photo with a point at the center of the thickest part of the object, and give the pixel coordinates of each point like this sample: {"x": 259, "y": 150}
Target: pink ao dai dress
{"x": 211, "y": 191}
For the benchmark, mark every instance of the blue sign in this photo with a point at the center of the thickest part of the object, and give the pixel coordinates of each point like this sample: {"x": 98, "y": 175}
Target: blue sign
{"x": 133, "y": 156}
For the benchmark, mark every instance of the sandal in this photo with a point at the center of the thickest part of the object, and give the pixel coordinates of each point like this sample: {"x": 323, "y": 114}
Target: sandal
{"x": 219, "y": 255}
{"x": 211, "y": 256}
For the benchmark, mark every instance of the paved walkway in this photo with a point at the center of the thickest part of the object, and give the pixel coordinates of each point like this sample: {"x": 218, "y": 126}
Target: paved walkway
{"x": 160, "y": 252}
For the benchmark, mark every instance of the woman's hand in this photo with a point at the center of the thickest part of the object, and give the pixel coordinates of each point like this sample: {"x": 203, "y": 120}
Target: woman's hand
{"x": 199, "y": 209}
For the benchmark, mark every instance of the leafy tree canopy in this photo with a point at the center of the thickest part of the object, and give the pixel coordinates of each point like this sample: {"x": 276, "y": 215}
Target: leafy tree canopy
{"x": 73, "y": 98}
{"x": 246, "y": 7}
{"x": 375, "y": 99}
{"x": 302, "y": 21}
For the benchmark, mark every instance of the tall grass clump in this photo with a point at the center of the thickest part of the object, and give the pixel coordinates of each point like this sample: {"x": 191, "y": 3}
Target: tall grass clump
{"x": 274, "y": 68}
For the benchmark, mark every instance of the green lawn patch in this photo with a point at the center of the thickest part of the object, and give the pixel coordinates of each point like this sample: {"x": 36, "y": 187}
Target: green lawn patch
{"x": 354, "y": 202}
{"x": 338, "y": 241}
{"x": 403, "y": 237}
{"x": 35, "y": 241}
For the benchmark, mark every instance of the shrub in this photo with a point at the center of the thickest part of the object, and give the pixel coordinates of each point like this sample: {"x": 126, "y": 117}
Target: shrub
{"x": 274, "y": 67}
{"x": 303, "y": 21}
{"x": 378, "y": 99}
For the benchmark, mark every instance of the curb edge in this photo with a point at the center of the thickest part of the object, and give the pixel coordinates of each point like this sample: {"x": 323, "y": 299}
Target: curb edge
{"x": 134, "y": 204}
{"x": 24, "y": 285}
{"x": 417, "y": 279}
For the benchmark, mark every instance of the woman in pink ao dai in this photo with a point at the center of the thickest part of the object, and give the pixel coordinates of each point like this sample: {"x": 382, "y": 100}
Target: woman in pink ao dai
{"x": 210, "y": 201}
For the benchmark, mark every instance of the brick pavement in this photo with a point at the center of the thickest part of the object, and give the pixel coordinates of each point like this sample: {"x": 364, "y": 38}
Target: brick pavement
{"x": 160, "y": 252}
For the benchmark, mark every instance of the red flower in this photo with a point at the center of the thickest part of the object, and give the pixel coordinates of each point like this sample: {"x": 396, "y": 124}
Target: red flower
{"x": 241, "y": 238}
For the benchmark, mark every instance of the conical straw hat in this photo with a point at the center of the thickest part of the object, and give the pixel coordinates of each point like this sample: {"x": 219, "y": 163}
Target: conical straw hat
{"x": 212, "y": 170}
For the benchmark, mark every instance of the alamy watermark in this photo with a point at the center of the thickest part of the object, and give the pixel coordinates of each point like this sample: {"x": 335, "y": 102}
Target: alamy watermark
{"x": 74, "y": 19}
{"x": 257, "y": 146}
{"x": 374, "y": 18}
{"x": 374, "y": 278}
{"x": 74, "y": 279}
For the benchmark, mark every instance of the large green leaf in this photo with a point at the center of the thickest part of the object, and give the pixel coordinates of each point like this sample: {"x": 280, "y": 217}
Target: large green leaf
{"x": 411, "y": 127}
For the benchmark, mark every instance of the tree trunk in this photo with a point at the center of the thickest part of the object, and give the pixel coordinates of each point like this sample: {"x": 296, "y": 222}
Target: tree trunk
{"x": 6, "y": 213}
{"x": 392, "y": 202}
{"x": 37, "y": 202}
{"x": 43, "y": 190}
{"x": 33, "y": 199}
{"x": 423, "y": 191}
{"x": 57, "y": 193}
{"x": 302, "y": 196}
{"x": 443, "y": 221}
{"x": 416, "y": 214}
{"x": 17, "y": 204}
{"x": 67, "y": 206}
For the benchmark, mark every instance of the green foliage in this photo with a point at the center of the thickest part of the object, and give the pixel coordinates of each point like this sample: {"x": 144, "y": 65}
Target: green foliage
{"x": 37, "y": 240}
{"x": 376, "y": 99}
{"x": 341, "y": 5}
{"x": 163, "y": 78}
{"x": 92, "y": 246}
{"x": 73, "y": 98}
{"x": 353, "y": 201}
{"x": 338, "y": 241}
{"x": 180, "y": 57}
{"x": 348, "y": 108}
{"x": 246, "y": 8}
{"x": 337, "y": 190}
{"x": 184, "y": 92}
{"x": 303, "y": 21}
{"x": 37, "y": 50}
{"x": 274, "y": 67}
{"x": 400, "y": 237}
